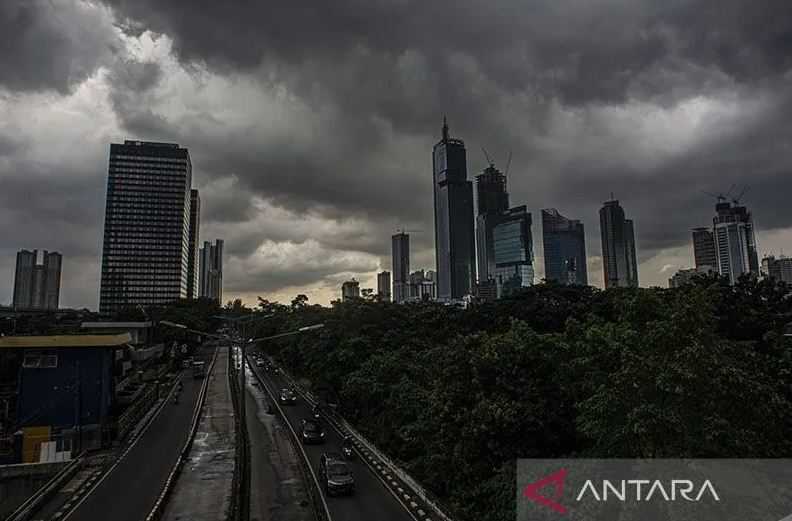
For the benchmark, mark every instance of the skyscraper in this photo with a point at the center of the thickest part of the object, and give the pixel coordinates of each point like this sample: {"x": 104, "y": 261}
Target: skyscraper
{"x": 384, "y": 286}
{"x": 618, "y": 247}
{"x": 704, "y": 248}
{"x": 564, "y": 249}
{"x": 193, "y": 274}
{"x": 211, "y": 268}
{"x": 145, "y": 255}
{"x": 493, "y": 200}
{"x": 512, "y": 245}
{"x": 453, "y": 209}
{"x": 37, "y": 286}
{"x": 400, "y": 256}
{"x": 735, "y": 243}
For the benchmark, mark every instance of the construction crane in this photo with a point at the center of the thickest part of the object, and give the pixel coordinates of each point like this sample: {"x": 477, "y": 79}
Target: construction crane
{"x": 720, "y": 197}
{"x": 723, "y": 197}
{"x": 489, "y": 159}
{"x": 736, "y": 199}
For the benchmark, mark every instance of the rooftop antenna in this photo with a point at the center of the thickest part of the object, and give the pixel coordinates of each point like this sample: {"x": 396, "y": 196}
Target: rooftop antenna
{"x": 508, "y": 163}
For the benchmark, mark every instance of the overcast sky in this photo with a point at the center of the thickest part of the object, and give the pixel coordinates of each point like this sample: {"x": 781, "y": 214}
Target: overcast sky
{"x": 310, "y": 123}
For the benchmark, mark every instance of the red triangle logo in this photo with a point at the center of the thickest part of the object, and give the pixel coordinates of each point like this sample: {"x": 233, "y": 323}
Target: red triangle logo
{"x": 556, "y": 480}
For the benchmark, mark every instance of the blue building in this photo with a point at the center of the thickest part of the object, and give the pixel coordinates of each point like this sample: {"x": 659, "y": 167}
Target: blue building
{"x": 513, "y": 251}
{"x": 564, "y": 242}
{"x": 65, "y": 390}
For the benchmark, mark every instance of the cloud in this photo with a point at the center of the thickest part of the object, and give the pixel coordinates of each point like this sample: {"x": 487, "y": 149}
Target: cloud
{"x": 310, "y": 124}
{"x": 49, "y": 45}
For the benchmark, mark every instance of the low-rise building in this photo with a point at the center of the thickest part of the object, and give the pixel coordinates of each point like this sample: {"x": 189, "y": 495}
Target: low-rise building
{"x": 65, "y": 392}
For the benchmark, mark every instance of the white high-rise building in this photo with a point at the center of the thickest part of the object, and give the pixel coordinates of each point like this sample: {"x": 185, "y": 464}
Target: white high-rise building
{"x": 735, "y": 243}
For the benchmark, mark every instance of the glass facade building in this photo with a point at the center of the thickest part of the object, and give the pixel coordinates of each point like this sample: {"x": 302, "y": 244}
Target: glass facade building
{"x": 400, "y": 262}
{"x": 618, "y": 247}
{"x": 455, "y": 246}
{"x": 512, "y": 245}
{"x": 145, "y": 254}
{"x": 704, "y": 248}
{"x": 492, "y": 201}
{"x": 564, "y": 243}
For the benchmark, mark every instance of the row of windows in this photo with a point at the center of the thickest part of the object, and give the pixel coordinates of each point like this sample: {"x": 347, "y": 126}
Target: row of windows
{"x": 151, "y": 159}
{"x": 152, "y": 191}
{"x": 143, "y": 201}
{"x": 137, "y": 166}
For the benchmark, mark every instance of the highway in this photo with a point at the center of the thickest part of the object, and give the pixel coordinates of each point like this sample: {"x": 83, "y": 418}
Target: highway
{"x": 130, "y": 489}
{"x": 371, "y": 501}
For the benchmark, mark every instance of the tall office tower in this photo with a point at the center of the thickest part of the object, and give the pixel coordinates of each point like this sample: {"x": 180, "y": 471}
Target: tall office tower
{"x": 453, "y": 209}
{"x": 193, "y": 273}
{"x": 777, "y": 269}
{"x": 37, "y": 286}
{"x": 145, "y": 254}
{"x": 400, "y": 256}
{"x": 704, "y": 248}
{"x": 493, "y": 200}
{"x": 618, "y": 247}
{"x": 735, "y": 243}
{"x": 211, "y": 268}
{"x": 350, "y": 290}
{"x": 564, "y": 249}
{"x": 384, "y": 286}
{"x": 512, "y": 245}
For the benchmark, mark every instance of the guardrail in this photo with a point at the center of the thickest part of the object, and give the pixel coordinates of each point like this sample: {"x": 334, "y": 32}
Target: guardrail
{"x": 396, "y": 480}
{"x": 320, "y": 509}
{"x": 45, "y": 493}
{"x": 159, "y": 507}
{"x": 240, "y": 499}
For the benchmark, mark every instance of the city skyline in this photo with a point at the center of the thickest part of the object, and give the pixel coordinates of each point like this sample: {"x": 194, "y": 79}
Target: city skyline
{"x": 328, "y": 181}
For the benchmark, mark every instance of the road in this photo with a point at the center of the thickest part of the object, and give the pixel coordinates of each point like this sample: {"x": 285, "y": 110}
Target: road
{"x": 371, "y": 501}
{"x": 130, "y": 489}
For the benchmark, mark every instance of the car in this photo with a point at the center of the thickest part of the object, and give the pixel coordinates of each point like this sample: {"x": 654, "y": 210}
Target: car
{"x": 260, "y": 363}
{"x": 287, "y": 397}
{"x": 336, "y": 475}
{"x": 312, "y": 431}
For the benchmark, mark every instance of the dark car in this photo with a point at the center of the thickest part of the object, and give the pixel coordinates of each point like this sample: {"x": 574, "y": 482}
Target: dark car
{"x": 335, "y": 474}
{"x": 312, "y": 431}
{"x": 287, "y": 397}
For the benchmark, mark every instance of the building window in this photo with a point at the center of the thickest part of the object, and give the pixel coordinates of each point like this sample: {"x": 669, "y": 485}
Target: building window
{"x": 40, "y": 361}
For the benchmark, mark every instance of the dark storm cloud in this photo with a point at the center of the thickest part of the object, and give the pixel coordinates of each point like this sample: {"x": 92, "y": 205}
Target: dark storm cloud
{"x": 407, "y": 62}
{"x": 372, "y": 80}
{"x": 46, "y": 45}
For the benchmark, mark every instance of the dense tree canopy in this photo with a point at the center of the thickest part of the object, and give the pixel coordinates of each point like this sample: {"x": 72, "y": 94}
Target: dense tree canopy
{"x": 457, "y": 395}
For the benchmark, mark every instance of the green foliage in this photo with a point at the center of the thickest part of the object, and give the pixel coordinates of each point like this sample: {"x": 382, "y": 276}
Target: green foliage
{"x": 458, "y": 395}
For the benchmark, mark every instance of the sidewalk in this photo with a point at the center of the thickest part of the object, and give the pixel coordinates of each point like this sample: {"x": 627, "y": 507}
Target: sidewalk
{"x": 203, "y": 488}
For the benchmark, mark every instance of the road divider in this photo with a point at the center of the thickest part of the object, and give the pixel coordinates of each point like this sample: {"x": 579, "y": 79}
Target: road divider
{"x": 159, "y": 506}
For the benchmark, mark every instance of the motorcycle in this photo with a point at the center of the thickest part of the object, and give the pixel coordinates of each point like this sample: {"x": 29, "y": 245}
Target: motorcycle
{"x": 346, "y": 449}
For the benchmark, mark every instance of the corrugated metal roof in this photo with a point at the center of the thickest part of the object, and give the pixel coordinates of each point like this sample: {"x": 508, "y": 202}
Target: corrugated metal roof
{"x": 115, "y": 325}
{"x": 58, "y": 341}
